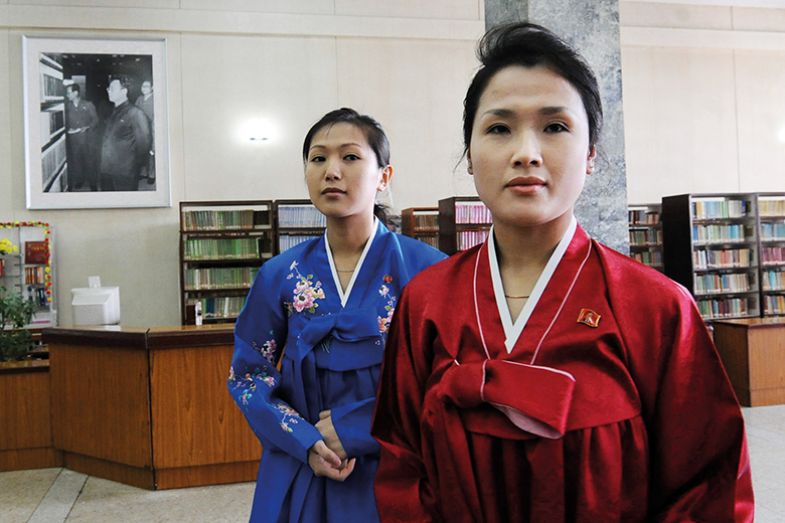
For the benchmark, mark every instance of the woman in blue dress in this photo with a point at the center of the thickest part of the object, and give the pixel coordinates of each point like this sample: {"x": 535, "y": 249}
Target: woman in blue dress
{"x": 323, "y": 308}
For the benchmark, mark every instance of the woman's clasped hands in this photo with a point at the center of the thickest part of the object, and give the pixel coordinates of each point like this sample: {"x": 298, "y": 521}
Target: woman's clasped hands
{"x": 327, "y": 457}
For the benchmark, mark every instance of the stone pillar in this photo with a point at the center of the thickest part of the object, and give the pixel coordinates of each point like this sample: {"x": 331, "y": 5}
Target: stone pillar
{"x": 592, "y": 27}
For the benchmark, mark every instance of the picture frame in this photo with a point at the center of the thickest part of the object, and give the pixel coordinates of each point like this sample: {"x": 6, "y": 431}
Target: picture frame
{"x": 96, "y": 123}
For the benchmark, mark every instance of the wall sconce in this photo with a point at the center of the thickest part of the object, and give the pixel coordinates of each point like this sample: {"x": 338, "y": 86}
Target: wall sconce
{"x": 259, "y": 131}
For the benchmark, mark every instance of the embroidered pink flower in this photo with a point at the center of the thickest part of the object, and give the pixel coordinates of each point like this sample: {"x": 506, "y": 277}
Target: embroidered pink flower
{"x": 305, "y": 292}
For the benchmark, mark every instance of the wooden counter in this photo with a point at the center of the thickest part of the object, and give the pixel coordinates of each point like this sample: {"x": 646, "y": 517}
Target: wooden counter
{"x": 753, "y": 351}
{"x": 25, "y": 427}
{"x": 149, "y": 407}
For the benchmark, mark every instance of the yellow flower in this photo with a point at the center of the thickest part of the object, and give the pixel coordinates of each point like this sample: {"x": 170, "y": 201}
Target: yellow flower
{"x": 6, "y": 247}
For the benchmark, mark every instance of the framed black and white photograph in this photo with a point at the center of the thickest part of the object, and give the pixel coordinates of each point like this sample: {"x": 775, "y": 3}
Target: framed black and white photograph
{"x": 96, "y": 129}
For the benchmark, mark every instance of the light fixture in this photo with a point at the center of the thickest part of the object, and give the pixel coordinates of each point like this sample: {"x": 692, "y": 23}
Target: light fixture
{"x": 259, "y": 130}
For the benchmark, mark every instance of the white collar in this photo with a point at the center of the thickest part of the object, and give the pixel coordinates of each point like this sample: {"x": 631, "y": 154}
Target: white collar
{"x": 512, "y": 331}
{"x": 345, "y": 295}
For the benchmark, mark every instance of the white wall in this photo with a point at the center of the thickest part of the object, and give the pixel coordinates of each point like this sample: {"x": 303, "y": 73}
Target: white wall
{"x": 407, "y": 63}
{"x": 703, "y": 103}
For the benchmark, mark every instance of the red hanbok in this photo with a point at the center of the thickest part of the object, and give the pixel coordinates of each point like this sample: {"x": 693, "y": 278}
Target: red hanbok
{"x": 605, "y": 401}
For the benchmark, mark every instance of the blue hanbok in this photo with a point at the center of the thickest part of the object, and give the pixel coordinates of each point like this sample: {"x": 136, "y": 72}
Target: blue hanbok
{"x": 332, "y": 343}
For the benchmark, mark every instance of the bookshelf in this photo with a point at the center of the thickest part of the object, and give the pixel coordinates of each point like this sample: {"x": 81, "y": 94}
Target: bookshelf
{"x": 711, "y": 247}
{"x": 222, "y": 246}
{"x": 646, "y": 234}
{"x": 421, "y": 223}
{"x": 464, "y": 221}
{"x": 30, "y": 270}
{"x": 297, "y": 221}
{"x": 771, "y": 231}
{"x": 54, "y": 167}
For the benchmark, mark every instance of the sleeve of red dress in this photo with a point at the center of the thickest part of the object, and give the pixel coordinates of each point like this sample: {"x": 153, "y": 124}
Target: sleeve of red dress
{"x": 699, "y": 461}
{"x": 402, "y": 491}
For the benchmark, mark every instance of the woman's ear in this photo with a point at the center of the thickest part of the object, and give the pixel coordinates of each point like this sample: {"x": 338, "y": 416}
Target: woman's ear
{"x": 384, "y": 181}
{"x": 590, "y": 159}
{"x": 469, "y": 168}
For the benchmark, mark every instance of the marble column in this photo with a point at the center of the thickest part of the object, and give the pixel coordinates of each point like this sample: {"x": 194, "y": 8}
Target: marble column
{"x": 592, "y": 27}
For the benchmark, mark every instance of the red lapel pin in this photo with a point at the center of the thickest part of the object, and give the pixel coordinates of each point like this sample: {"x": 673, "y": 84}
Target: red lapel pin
{"x": 589, "y": 317}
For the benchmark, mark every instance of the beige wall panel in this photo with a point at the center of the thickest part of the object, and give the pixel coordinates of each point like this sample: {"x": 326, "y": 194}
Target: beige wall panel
{"x": 652, "y": 14}
{"x": 230, "y": 81}
{"x": 760, "y": 82}
{"x": 758, "y": 19}
{"x": 415, "y": 89}
{"x": 680, "y": 122}
{"x": 130, "y": 4}
{"x": 448, "y": 9}
{"x": 6, "y": 174}
{"x": 316, "y": 7}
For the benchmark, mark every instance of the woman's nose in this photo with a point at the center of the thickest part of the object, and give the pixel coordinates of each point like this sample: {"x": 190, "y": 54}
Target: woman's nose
{"x": 332, "y": 170}
{"x": 527, "y": 152}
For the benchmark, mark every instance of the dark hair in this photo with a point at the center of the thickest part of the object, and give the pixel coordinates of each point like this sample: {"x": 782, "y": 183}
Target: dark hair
{"x": 373, "y": 132}
{"x": 73, "y": 87}
{"x": 530, "y": 45}
{"x": 125, "y": 82}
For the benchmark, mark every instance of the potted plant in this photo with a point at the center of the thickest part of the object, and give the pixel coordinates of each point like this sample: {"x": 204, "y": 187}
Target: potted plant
{"x": 15, "y": 313}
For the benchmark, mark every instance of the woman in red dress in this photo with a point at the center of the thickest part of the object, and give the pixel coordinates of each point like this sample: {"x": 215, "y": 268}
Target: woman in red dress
{"x": 542, "y": 376}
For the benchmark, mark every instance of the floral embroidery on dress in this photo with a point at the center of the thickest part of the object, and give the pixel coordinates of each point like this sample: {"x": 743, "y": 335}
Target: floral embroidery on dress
{"x": 248, "y": 382}
{"x": 267, "y": 349}
{"x": 305, "y": 292}
{"x": 384, "y": 292}
{"x": 289, "y": 416}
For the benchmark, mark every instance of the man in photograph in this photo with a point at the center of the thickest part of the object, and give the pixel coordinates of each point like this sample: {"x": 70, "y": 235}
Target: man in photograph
{"x": 145, "y": 102}
{"x": 80, "y": 119}
{"x": 126, "y": 143}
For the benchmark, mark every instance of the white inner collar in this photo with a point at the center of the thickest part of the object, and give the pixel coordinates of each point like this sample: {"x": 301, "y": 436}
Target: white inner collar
{"x": 512, "y": 331}
{"x": 345, "y": 295}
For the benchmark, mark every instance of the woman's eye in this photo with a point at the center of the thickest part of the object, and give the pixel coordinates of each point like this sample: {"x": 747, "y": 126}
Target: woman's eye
{"x": 317, "y": 159}
{"x": 351, "y": 157}
{"x": 498, "y": 129}
{"x": 556, "y": 128}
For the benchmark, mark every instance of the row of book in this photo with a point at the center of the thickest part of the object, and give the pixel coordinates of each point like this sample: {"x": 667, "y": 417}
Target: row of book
{"x": 772, "y": 231}
{"x": 771, "y": 207}
{"x": 472, "y": 212}
{"x": 425, "y": 221}
{"x": 646, "y": 237}
{"x": 468, "y": 239}
{"x": 302, "y": 216}
{"x": 772, "y": 255}
{"x": 643, "y": 217}
{"x": 774, "y": 304}
{"x": 225, "y": 220}
{"x": 719, "y": 259}
{"x": 53, "y": 158}
{"x": 219, "y": 278}
{"x": 221, "y": 248}
{"x": 35, "y": 276}
{"x": 651, "y": 257}
{"x": 724, "y": 308}
{"x": 287, "y": 241}
{"x": 721, "y": 233}
{"x": 433, "y": 241}
{"x": 773, "y": 280}
{"x": 718, "y": 283}
{"x": 710, "y": 209}
{"x": 220, "y": 307}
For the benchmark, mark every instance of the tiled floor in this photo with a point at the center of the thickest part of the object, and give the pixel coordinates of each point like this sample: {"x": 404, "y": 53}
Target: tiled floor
{"x": 59, "y": 495}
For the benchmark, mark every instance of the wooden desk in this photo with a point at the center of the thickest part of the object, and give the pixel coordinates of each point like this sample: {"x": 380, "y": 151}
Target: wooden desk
{"x": 149, "y": 407}
{"x": 753, "y": 351}
{"x": 25, "y": 427}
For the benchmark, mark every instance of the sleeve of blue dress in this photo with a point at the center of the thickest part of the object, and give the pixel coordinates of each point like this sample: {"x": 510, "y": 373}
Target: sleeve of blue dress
{"x": 352, "y": 423}
{"x": 259, "y": 336}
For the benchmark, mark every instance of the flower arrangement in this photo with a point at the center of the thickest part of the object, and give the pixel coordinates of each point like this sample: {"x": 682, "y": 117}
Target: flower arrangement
{"x": 7, "y": 246}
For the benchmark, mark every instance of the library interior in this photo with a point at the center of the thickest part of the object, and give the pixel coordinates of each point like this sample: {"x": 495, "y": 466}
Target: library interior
{"x": 118, "y": 315}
